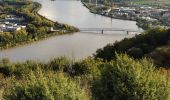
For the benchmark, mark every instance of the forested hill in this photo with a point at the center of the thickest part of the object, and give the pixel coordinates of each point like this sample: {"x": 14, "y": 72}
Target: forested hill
{"x": 152, "y": 44}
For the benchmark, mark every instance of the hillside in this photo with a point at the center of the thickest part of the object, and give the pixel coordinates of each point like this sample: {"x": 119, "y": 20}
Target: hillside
{"x": 153, "y": 43}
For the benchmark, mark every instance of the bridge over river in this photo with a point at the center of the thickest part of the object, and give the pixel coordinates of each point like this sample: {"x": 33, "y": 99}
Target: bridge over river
{"x": 102, "y": 30}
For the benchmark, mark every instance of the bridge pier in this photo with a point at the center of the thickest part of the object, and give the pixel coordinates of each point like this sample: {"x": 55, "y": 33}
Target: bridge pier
{"x": 102, "y": 31}
{"x": 127, "y": 32}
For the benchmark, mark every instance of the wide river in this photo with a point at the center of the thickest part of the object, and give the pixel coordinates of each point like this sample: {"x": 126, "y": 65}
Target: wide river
{"x": 76, "y": 46}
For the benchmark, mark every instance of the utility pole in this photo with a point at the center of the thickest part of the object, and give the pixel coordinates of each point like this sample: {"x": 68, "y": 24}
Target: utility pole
{"x": 111, "y": 4}
{"x": 96, "y": 3}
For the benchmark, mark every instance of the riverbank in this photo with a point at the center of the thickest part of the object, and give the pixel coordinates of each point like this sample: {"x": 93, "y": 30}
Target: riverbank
{"x": 32, "y": 41}
{"x": 37, "y": 31}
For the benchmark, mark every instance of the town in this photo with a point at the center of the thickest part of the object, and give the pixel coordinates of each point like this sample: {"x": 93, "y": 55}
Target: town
{"x": 12, "y": 23}
{"x": 154, "y": 16}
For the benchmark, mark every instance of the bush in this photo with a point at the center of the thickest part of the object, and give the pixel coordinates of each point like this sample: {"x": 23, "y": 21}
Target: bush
{"x": 161, "y": 56}
{"x": 23, "y": 69}
{"x": 135, "y": 52}
{"x": 6, "y": 67}
{"x": 59, "y": 64}
{"x": 87, "y": 67}
{"x": 18, "y": 69}
{"x": 39, "y": 86}
{"x": 128, "y": 79}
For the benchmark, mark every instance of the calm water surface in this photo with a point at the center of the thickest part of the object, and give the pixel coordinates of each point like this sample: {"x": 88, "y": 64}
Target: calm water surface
{"x": 78, "y": 45}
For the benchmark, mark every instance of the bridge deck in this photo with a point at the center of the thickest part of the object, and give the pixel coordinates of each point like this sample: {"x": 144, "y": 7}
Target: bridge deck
{"x": 106, "y": 29}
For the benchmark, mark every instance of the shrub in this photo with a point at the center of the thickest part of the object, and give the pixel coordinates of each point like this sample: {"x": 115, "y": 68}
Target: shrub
{"x": 39, "y": 86}
{"x": 135, "y": 52}
{"x": 59, "y": 64}
{"x": 6, "y": 67}
{"x": 88, "y": 66}
{"x": 161, "y": 56}
{"x": 23, "y": 69}
{"x": 18, "y": 69}
{"x": 128, "y": 79}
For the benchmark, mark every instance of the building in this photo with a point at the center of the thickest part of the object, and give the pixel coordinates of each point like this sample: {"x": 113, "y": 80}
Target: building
{"x": 14, "y": 19}
{"x": 10, "y": 27}
{"x": 10, "y": 24}
{"x": 149, "y": 19}
{"x": 166, "y": 14}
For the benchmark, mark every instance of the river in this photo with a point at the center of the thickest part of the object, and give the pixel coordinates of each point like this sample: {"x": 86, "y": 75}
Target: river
{"x": 75, "y": 46}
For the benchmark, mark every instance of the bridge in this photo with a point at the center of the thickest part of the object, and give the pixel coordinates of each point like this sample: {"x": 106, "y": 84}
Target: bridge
{"x": 102, "y": 30}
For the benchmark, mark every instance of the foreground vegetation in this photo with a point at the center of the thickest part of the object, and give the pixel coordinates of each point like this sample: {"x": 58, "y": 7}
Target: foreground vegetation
{"x": 121, "y": 79}
{"x": 37, "y": 27}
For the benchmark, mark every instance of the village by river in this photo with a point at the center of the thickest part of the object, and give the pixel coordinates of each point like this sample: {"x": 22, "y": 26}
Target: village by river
{"x": 75, "y": 46}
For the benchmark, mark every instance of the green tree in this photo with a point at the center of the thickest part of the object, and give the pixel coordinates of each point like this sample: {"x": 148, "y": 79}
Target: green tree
{"x": 129, "y": 79}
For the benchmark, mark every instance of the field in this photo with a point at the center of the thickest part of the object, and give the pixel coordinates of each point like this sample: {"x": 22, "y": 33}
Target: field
{"x": 159, "y": 3}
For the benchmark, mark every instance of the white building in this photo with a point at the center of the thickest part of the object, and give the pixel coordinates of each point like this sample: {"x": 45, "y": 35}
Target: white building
{"x": 149, "y": 18}
{"x": 10, "y": 27}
